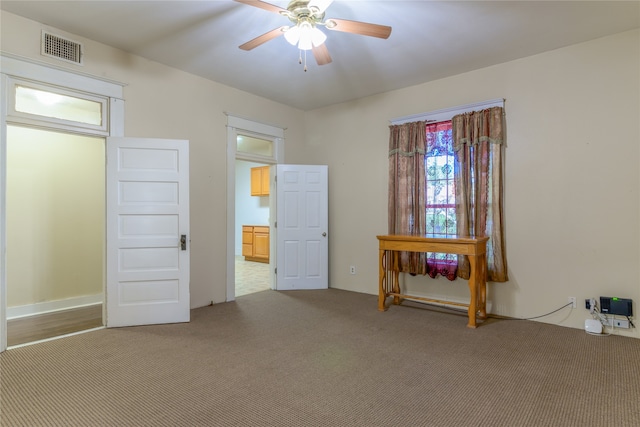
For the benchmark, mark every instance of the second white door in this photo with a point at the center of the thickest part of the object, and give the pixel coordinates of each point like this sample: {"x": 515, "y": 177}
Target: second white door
{"x": 302, "y": 227}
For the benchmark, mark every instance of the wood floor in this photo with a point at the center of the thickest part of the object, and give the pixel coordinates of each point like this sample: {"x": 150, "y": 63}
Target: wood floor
{"x": 43, "y": 326}
{"x": 250, "y": 277}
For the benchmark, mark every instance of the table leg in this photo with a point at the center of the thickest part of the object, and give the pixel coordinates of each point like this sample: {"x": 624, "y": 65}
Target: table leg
{"x": 382, "y": 281}
{"x": 396, "y": 278}
{"x": 473, "y": 290}
{"x": 482, "y": 287}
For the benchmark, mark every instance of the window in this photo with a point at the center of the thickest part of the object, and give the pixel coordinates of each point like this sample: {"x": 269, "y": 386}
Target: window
{"x": 445, "y": 178}
{"x": 253, "y": 145}
{"x": 440, "y": 195}
{"x": 34, "y": 103}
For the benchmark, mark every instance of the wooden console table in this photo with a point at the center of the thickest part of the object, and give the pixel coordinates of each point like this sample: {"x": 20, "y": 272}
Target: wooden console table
{"x": 473, "y": 247}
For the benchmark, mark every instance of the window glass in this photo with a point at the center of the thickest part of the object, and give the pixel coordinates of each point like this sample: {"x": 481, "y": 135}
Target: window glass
{"x": 57, "y": 106}
{"x": 252, "y": 145}
{"x": 441, "y": 191}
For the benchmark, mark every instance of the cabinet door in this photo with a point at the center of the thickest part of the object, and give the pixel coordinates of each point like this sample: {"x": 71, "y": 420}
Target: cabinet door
{"x": 265, "y": 181}
{"x": 256, "y": 181}
{"x": 260, "y": 181}
{"x": 247, "y": 241}
{"x": 261, "y": 242}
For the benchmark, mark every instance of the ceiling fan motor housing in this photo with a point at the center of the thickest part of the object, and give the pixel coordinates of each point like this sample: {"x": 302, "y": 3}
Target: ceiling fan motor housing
{"x": 299, "y": 11}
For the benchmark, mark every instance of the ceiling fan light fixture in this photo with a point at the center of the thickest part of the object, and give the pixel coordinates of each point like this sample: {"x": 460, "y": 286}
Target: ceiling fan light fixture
{"x": 305, "y": 35}
{"x": 317, "y": 37}
{"x": 292, "y": 35}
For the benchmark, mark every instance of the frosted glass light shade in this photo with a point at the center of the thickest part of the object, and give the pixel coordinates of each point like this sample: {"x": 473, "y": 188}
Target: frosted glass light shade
{"x": 317, "y": 37}
{"x": 292, "y": 35}
{"x": 305, "y": 36}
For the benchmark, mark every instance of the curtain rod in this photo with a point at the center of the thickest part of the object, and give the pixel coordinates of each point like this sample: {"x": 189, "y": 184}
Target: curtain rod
{"x": 448, "y": 113}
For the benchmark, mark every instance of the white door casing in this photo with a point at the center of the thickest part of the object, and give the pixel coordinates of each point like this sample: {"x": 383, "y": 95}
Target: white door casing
{"x": 24, "y": 68}
{"x": 302, "y": 227}
{"x": 147, "y": 213}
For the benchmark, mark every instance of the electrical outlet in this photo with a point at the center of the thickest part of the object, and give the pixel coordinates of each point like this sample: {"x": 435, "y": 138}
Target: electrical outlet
{"x": 572, "y": 300}
{"x": 352, "y": 269}
{"x": 616, "y": 323}
{"x": 620, "y": 323}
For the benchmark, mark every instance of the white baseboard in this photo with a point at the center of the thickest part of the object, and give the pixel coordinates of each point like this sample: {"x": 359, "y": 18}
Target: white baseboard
{"x": 51, "y": 306}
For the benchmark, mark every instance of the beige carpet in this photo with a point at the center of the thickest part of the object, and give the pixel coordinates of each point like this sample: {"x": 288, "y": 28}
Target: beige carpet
{"x": 324, "y": 358}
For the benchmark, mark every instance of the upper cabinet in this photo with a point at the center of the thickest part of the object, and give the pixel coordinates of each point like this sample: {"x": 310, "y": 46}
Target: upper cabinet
{"x": 260, "y": 181}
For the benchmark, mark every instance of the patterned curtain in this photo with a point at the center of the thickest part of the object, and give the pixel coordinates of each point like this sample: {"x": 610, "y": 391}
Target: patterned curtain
{"x": 478, "y": 141}
{"x": 407, "y": 189}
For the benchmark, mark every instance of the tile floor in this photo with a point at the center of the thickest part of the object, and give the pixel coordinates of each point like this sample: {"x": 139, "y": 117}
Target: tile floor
{"x": 251, "y": 276}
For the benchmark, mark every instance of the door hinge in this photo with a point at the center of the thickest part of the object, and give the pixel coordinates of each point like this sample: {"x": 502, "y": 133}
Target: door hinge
{"x": 275, "y": 270}
{"x": 275, "y": 224}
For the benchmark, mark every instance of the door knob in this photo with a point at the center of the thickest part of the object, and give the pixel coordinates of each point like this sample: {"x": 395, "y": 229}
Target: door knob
{"x": 324, "y": 234}
{"x": 183, "y": 242}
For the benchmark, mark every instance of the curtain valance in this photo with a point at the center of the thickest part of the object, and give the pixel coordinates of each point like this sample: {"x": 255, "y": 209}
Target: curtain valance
{"x": 478, "y": 126}
{"x": 407, "y": 139}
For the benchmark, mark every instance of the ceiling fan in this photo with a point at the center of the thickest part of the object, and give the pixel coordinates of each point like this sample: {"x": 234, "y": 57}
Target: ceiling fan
{"x": 306, "y": 16}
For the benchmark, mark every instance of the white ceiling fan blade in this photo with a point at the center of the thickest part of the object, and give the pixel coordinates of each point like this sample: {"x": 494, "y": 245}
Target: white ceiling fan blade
{"x": 262, "y": 5}
{"x": 356, "y": 27}
{"x": 321, "y": 5}
{"x": 252, "y": 44}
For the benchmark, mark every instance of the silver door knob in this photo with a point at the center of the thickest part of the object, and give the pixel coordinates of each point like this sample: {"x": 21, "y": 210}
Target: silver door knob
{"x": 324, "y": 234}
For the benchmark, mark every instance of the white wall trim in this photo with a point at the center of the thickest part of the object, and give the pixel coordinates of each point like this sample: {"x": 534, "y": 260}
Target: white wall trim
{"x": 448, "y": 113}
{"x": 52, "y": 306}
{"x": 44, "y": 72}
{"x": 243, "y": 123}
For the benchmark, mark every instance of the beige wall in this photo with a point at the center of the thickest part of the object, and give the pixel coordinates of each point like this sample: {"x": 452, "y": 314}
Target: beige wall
{"x": 571, "y": 165}
{"x": 55, "y": 216}
{"x": 156, "y": 97}
{"x": 572, "y": 161}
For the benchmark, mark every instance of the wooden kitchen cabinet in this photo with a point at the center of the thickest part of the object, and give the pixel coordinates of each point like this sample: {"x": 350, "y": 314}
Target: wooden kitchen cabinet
{"x": 255, "y": 243}
{"x": 260, "y": 181}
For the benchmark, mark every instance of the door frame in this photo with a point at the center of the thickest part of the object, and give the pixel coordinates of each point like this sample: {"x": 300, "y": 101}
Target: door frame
{"x": 46, "y": 74}
{"x": 237, "y": 125}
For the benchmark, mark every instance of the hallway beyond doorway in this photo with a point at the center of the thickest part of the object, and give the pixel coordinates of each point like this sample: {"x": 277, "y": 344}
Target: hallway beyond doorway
{"x": 251, "y": 276}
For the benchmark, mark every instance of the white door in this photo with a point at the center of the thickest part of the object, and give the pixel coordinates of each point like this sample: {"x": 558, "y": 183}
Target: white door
{"x": 302, "y": 226}
{"x": 147, "y": 231}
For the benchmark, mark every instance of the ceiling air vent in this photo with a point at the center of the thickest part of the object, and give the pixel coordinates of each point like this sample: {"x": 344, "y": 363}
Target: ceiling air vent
{"x": 61, "y": 48}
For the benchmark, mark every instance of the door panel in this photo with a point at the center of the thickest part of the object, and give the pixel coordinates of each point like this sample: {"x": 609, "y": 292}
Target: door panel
{"x": 147, "y": 213}
{"x": 302, "y": 227}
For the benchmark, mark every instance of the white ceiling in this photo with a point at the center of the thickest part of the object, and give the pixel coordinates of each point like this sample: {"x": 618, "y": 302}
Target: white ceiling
{"x": 430, "y": 39}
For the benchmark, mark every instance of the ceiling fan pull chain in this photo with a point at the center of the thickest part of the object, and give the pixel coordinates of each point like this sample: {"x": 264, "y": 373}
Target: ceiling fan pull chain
{"x": 305, "y": 61}
{"x": 300, "y": 56}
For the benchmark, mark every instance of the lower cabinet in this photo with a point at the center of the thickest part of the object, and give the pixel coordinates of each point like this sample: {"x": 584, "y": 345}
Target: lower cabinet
{"x": 255, "y": 243}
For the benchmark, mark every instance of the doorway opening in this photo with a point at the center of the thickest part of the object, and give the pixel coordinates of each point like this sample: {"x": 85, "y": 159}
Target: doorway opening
{"x": 252, "y": 234}
{"x": 251, "y": 146}
{"x": 39, "y": 96}
{"x": 55, "y": 216}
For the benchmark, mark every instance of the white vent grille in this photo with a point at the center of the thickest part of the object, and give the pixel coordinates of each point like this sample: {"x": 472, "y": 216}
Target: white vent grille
{"x": 58, "y": 47}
